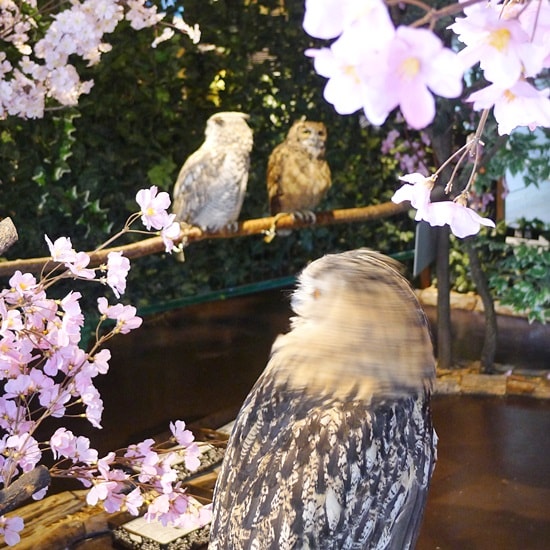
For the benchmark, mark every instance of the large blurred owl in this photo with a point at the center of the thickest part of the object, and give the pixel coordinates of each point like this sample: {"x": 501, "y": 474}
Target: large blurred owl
{"x": 298, "y": 176}
{"x": 211, "y": 185}
{"x": 334, "y": 446}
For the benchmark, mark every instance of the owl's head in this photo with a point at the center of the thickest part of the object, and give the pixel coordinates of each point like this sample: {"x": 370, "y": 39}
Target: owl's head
{"x": 358, "y": 326}
{"x": 310, "y": 136}
{"x": 229, "y": 128}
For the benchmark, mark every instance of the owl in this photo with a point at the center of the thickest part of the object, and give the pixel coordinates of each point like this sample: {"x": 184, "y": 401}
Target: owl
{"x": 298, "y": 176}
{"x": 334, "y": 446}
{"x": 211, "y": 185}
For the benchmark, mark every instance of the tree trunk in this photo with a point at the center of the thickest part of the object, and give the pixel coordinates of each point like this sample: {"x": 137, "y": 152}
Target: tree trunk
{"x": 444, "y": 336}
{"x": 491, "y": 329}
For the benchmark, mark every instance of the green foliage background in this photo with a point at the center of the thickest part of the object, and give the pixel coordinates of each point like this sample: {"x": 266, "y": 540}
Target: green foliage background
{"x": 76, "y": 172}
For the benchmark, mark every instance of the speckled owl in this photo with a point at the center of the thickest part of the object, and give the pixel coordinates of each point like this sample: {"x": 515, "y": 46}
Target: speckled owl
{"x": 298, "y": 176}
{"x": 211, "y": 185}
{"x": 334, "y": 446}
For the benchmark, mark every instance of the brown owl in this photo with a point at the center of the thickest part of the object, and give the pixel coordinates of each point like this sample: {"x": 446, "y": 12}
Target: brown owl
{"x": 298, "y": 176}
{"x": 211, "y": 185}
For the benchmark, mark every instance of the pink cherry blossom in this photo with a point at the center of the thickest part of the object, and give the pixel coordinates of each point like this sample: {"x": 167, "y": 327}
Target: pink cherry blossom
{"x": 62, "y": 443}
{"x": 72, "y": 319}
{"x": 418, "y": 65}
{"x": 21, "y": 285}
{"x": 12, "y": 417}
{"x": 183, "y": 436}
{"x": 141, "y": 450}
{"x": 153, "y": 207}
{"x": 125, "y": 316}
{"x": 78, "y": 266}
{"x": 194, "y": 517}
{"x": 351, "y": 65}
{"x": 100, "y": 362}
{"x": 462, "y": 220}
{"x": 330, "y": 18}
{"x": 133, "y": 501}
{"x": 534, "y": 17}
{"x": 519, "y": 105}
{"x": 24, "y": 450}
{"x": 10, "y": 527}
{"x": 90, "y": 397}
{"x": 158, "y": 507}
{"x": 416, "y": 191}
{"x": 54, "y": 399}
{"x": 65, "y": 444}
{"x": 324, "y": 18}
{"x": 500, "y": 45}
{"x": 118, "y": 267}
{"x": 128, "y": 320}
{"x": 170, "y": 232}
{"x": 141, "y": 15}
{"x": 11, "y": 320}
{"x": 61, "y": 250}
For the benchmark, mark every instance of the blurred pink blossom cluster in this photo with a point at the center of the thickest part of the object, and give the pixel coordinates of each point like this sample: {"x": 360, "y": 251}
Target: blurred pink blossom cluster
{"x": 40, "y": 70}
{"x": 376, "y": 67}
{"x": 511, "y": 43}
{"x": 46, "y": 373}
{"x": 462, "y": 220}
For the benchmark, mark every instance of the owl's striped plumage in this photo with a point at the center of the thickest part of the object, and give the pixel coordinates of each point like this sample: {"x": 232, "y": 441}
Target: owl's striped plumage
{"x": 334, "y": 446}
{"x": 211, "y": 185}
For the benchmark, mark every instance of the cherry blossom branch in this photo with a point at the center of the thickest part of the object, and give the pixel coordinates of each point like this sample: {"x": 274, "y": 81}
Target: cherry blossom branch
{"x": 434, "y": 15}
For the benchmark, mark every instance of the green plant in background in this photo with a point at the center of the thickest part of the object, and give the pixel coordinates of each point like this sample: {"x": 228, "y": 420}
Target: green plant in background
{"x": 521, "y": 279}
{"x": 518, "y": 274}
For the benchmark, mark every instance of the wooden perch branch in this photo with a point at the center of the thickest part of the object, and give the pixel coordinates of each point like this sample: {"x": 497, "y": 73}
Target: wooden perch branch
{"x": 256, "y": 226}
{"x": 23, "y": 488}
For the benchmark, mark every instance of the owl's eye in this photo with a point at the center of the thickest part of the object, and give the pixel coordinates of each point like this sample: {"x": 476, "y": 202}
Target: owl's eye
{"x": 316, "y": 293}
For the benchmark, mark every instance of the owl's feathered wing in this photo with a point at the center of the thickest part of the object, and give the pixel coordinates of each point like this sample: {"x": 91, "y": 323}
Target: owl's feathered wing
{"x": 334, "y": 446}
{"x": 275, "y": 166}
{"x": 210, "y": 188}
{"x": 321, "y": 475}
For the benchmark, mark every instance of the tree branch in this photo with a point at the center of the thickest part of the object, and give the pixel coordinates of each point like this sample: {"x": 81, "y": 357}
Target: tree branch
{"x": 249, "y": 227}
{"x": 23, "y": 488}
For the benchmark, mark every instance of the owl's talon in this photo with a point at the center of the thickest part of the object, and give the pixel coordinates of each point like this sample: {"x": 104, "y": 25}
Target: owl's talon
{"x": 232, "y": 227}
{"x": 271, "y": 233}
{"x": 307, "y": 216}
